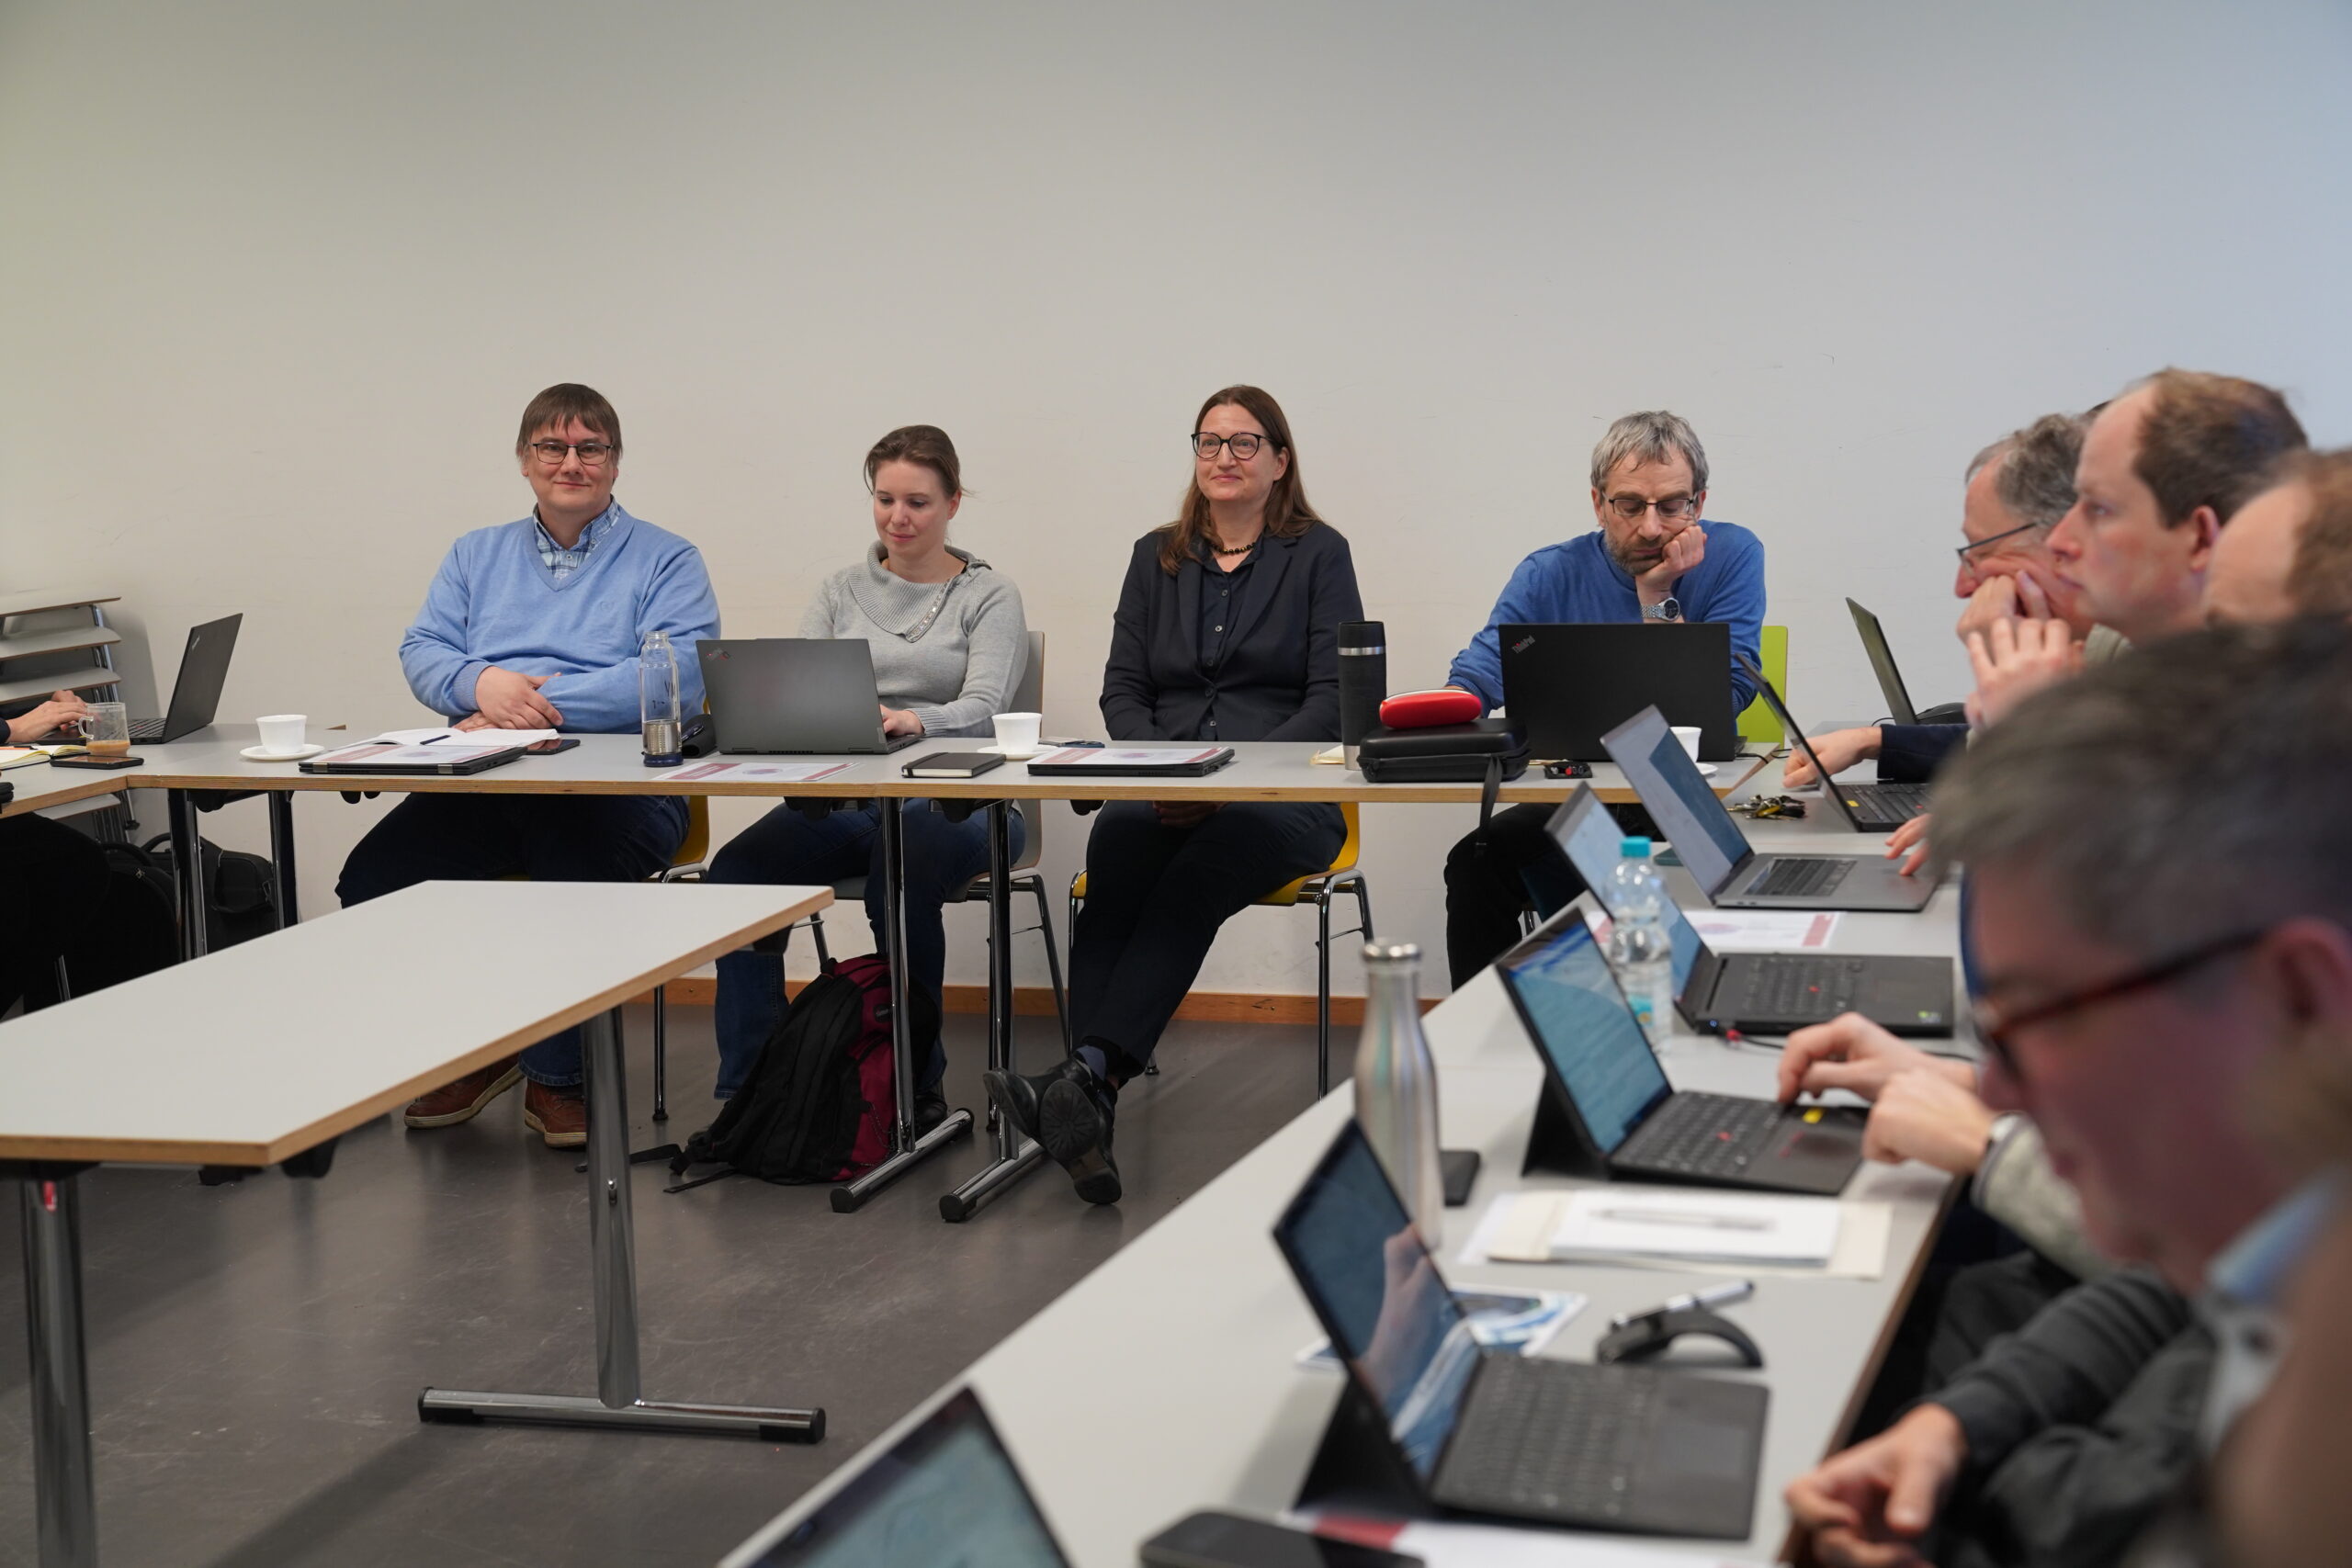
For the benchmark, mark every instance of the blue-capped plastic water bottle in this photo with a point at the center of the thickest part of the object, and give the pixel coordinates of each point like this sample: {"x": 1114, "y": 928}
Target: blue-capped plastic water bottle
{"x": 1640, "y": 947}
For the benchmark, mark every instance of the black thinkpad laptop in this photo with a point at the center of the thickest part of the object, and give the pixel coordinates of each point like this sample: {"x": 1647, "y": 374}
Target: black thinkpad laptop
{"x": 1763, "y": 993}
{"x": 196, "y": 691}
{"x": 1493, "y": 1432}
{"x": 1726, "y": 868}
{"x": 796, "y": 695}
{"x": 1867, "y": 807}
{"x": 1612, "y": 1113}
{"x": 947, "y": 1493}
{"x": 1569, "y": 684}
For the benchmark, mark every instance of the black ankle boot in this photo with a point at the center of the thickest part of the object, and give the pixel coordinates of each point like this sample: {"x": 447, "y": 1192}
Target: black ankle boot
{"x": 1018, "y": 1096}
{"x": 1074, "y": 1119}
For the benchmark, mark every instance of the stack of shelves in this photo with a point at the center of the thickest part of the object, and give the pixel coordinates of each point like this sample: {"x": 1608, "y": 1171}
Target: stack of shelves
{"x": 39, "y": 632}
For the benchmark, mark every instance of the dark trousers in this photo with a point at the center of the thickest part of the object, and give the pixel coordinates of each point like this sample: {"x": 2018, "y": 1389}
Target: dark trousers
{"x": 1488, "y": 885}
{"x": 547, "y": 838}
{"x": 59, "y": 899}
{"x": 1155, "y": 897}
{"x": 784, "y": 847}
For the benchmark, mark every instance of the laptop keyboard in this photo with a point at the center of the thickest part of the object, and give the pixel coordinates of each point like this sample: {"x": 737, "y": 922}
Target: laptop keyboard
{"x": 1802, "y": 987}
{"x": 1795, "y": 876}
{"x": 1555, "y": 1439}
{"x": 1891, "y": 804}
{"x": 1701, "y": 1134}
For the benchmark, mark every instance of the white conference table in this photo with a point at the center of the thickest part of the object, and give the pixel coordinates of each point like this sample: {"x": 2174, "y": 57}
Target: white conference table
{"x": 613, "y": 764}
{"x": 257, "y": 1055}
{"x": 1165, "y": 1381}
{"x": 43, "y": 784}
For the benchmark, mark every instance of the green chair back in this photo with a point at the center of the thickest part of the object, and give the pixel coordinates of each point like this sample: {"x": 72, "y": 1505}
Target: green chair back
{"x": 1757, "y": 724}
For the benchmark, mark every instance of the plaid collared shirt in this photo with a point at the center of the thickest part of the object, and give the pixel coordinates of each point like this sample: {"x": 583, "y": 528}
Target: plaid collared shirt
{"x": 561, "y": 562}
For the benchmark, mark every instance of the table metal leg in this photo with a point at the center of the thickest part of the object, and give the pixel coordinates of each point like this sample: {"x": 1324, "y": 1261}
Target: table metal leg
{"x": 188, "y": 867}
{"x": 612, "y": 1240}
{"x": 281, "y": 856}
{"x": 67, "y": 1501}
{"x": 906, "y": 1150}
{"x": 1016, "y": 1156}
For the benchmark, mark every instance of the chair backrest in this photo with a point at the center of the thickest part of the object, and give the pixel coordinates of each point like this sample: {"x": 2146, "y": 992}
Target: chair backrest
{"x": 1029, "y": 692}
{"x": 1757, "y": 723}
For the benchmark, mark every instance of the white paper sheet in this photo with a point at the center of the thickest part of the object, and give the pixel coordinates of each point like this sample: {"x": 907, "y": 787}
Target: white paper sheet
{"x": 1495, "y": 1546}
{"x": 1518, "y": 1226}
{"x": 771, "y": 773}
{"x": 1764, "y": 930}
{"x": 402, "y": 755}
{"x": 444, "y": 734}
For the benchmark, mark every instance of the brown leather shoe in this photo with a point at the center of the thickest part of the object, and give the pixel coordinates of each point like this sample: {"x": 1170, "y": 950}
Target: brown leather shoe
{"x": 558, "y": 1115}
{"x": 462, "y": 1101}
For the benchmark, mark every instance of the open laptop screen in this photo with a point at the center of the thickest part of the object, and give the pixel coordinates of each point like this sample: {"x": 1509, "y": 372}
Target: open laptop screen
{"x": 947, "y": 1494}
{"x": 1585, "y": 1030}
{"x": 1377, "y": 1290}
{"x": 1589, "y": 837}
{"x": 1882, "y": 657}
{"x": 1671, "y": 785}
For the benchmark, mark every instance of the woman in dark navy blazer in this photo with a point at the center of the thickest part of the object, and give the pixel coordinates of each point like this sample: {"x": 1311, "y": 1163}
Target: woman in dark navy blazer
{"x": 1227, "y": 629}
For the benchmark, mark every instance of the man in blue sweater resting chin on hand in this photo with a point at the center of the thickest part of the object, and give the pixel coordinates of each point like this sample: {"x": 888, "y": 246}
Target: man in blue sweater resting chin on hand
{"x": 1651, "y": 559}
{"x": 536, "y": 624}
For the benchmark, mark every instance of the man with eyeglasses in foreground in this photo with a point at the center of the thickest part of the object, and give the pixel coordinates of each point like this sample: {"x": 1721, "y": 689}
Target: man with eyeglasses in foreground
{"x": 536, "y": 624}
{"x": 1651, "y": 559}
{"x": 2151, "y": 942}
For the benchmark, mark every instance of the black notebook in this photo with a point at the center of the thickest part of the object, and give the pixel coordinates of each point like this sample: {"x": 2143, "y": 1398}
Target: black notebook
{"x": 952, "y": 765}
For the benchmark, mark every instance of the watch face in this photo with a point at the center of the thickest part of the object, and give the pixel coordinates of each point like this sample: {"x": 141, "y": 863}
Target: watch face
{"x": 1667, "y": 610}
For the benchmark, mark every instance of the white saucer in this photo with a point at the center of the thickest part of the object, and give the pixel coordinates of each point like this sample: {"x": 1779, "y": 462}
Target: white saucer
{"x": 1017, "y": 754}
{"x": 262, "y": 754}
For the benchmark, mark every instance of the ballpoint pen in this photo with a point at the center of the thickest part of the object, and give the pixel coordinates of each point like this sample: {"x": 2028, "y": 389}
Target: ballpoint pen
{"x": 1695, "y": 1301}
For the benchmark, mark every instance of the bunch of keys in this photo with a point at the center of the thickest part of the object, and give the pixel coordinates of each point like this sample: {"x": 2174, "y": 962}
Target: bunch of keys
{"x": 1765, "y": 808}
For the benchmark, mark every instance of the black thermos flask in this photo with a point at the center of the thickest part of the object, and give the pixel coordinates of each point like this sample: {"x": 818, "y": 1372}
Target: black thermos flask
{"x": 1364, "y": 682}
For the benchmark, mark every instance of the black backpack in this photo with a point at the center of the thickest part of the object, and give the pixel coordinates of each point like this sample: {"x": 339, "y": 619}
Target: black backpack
{"x": 240, "y": 889}
{"x": 821, "y": 1098}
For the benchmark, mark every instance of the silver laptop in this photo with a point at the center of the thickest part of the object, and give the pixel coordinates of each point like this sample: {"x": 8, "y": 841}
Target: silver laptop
{"x": 795, "y": 695}
{"x": 1718, "y": 855}
{"x": 1865, "y": 807}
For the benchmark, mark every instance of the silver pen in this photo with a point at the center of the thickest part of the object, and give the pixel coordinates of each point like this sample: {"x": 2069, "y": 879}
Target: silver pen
{"x": 1696, "y": 1301}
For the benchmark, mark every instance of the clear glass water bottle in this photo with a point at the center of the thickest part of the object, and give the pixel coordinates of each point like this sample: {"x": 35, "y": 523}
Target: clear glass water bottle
{"x": 1396, "y": 1083}
{"x": 1641, "y": 949}
{"x": 657, "y": 702}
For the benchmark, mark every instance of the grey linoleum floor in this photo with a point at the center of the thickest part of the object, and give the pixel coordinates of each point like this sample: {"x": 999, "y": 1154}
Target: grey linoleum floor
{"x": 256, "y": 1349}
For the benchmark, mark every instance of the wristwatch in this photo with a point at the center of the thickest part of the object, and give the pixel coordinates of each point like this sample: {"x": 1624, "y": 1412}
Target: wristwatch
{"x": 1667, "y": 609}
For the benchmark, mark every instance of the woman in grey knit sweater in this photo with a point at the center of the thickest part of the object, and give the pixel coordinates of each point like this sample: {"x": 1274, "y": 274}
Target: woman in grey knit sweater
{"x": 949, "y": 642}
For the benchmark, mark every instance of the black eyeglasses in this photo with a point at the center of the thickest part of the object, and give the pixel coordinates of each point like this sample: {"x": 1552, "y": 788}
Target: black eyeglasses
{"x": 2005, "y": 534}
{"x": 1673, "y": 507}
{"x": 1998, "y": 1031}
{"x": 592, "y": 453}
{"x": 1243, "y": 447}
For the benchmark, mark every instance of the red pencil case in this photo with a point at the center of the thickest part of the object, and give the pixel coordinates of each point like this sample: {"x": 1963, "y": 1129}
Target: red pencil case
{"x": 1419, "y": 710}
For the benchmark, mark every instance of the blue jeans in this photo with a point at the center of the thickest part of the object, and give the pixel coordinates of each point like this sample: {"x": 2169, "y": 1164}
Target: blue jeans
{"x": 548, "y": 838}
{"x": 786, "y": 847}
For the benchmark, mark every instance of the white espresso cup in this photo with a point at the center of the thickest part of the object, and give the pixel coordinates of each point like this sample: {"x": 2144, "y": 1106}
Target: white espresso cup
{"x": 1688, "y": 735}
{"x": 282, "y": 731}
{"x": 1016, "y": 733}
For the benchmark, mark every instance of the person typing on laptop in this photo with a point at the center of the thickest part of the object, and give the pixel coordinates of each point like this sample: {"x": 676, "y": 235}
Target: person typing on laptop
{"x": 949, "y": 641}
{"x": 1227, "y": 629}
{"x": 533, "y": 624}
{"x": 1651, "y": 558}
{"x": 2139, "y": 979}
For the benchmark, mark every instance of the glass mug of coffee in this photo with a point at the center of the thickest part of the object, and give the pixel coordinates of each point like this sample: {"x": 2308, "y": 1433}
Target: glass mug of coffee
{"x": 106, "y": 729}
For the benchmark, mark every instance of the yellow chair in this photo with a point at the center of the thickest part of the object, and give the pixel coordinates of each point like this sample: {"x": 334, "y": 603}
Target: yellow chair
{"x": 1772, "y": 657}
{"x": 1318, "y": 888}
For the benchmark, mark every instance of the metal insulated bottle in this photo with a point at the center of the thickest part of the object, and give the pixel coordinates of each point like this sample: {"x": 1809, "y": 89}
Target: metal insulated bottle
{"x": 1396, "y": 1083}
{"x": 1364, "y": 682}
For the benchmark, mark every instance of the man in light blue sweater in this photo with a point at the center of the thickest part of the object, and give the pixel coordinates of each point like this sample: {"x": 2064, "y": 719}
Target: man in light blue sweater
{"x": 536, "y": 624}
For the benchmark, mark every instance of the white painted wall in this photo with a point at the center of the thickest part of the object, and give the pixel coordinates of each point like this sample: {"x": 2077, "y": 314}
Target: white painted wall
{"x": 275, "y": 279}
